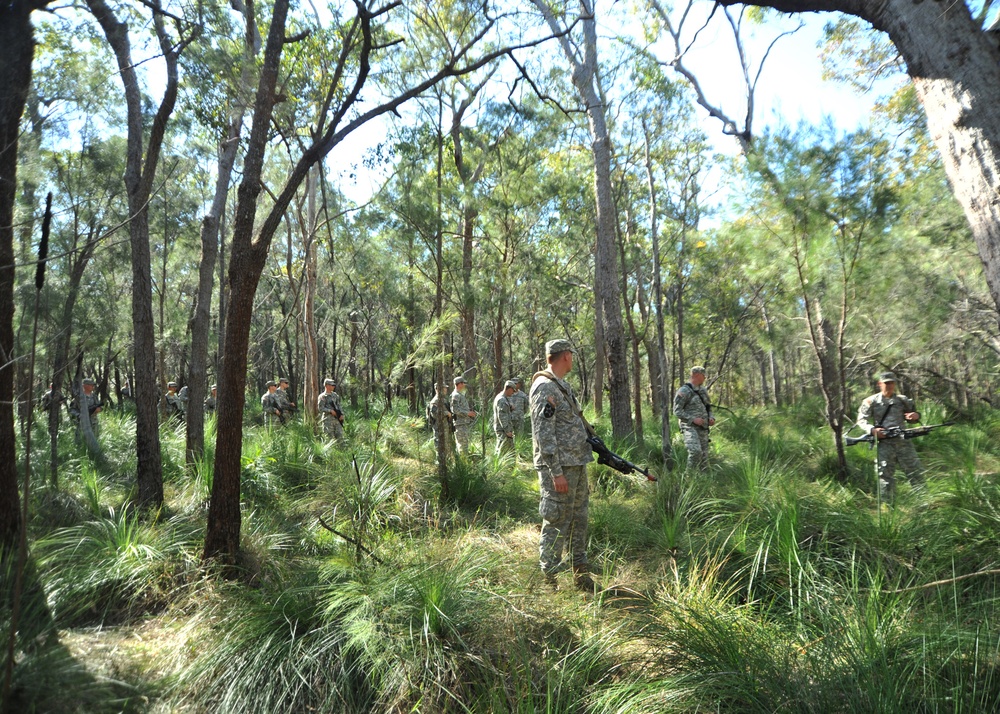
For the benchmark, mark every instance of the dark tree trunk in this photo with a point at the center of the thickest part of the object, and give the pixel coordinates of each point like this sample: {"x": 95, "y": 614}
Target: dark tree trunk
{"x": 222, "y": 535}
{"x": 17, "y": 47}
{"x": 140, "y": 171}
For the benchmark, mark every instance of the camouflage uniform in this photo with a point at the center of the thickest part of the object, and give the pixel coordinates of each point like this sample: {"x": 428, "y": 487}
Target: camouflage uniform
{"x": 284, "y": 402}
{"x": 270, "y": 406}
{"x": 560, "y": 447}
{"x": 91, "y": 403}
{"x": 175, "y": 404}
{"x": 463, "y": 422}
{"x": 691, "y": 403}
{"x": 48, "y": 399}
{"x": 503, "y": 421}
{"x": 328, "y": 405}
{"x": 877, "y": 411}
{"x": 519, "y": 402}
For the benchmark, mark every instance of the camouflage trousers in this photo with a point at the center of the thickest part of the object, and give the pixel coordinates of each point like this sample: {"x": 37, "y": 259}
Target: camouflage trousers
{"x": 332, "y": 426}
{"x": 696, "y": 443}
{"x": 505, "y": 444}
{"x": 462, "y": 438}
{"x": 564, "y": 517}
{"x": 893, "y": 452}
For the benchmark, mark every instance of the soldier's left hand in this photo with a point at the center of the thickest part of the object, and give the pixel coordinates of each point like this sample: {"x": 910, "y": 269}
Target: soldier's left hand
{"x": 711, "y": 422}
{"x": 912, "y": 416}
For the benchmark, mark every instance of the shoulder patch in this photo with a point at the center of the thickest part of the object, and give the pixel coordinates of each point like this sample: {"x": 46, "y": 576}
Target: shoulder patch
{"x": 550, "y": 408}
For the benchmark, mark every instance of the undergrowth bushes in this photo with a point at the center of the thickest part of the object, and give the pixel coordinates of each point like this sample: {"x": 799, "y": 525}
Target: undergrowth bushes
{"x": 762, "y": 585}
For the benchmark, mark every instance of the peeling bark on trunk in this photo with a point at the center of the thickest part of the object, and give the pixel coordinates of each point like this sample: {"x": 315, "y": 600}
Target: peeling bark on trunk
{"x": 955, "y": 68}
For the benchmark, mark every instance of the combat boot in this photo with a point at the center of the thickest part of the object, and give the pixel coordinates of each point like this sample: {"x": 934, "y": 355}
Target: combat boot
{"x": 583, "y": 581}
{"x": 550, "y": 580}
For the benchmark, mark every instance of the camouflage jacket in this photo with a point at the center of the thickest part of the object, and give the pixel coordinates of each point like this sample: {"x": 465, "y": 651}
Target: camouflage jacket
{"x": 519, "y": 403}
{"x": 688, "y": 406}
{"x": 460, "y": 408}
{"x": 503, "y": 420}
{"x": 432, "y": 410}
{"x": 284, "y": 402}
{"x": 878, "y": 411}
{"x": 328, "y": 404}
{"x": 269, "y": 403}
{"x": 558, "y": 432}
{"x": 175, "y": 405}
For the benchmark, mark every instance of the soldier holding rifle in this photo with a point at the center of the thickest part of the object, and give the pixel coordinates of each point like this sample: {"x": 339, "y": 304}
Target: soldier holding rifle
{"x": 882, "y": 416}
{"x": 562, "y": 452}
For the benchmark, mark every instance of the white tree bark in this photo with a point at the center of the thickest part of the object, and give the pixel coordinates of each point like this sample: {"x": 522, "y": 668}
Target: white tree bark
{"x": 955, "y": 68}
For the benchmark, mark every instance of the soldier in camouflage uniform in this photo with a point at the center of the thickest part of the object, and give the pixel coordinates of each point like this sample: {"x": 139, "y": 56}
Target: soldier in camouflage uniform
{"x": 331, "y": 416}
{"x": 91, "y": 403}
{"x": 285, "y": 403}
{"x": 561, "y": 455}
{"x": 432, "y": 412}
{"x": 519, "y": 400}
{"x": 693, "y": 411}
{"x": 175, "y": 405}
{"x": 210, "y": 401}
{"x": 503, "y": 418}
{"x": 462, "y": 414}
{"x": 883, "y": 410}
{"x": 269, "y": 404}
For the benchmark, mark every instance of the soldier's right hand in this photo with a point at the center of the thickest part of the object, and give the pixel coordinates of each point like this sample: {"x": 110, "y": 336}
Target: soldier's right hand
{"x": 698, "y": 421}
{"x": 879, "y": 432}
{"x": 560, "y": 484}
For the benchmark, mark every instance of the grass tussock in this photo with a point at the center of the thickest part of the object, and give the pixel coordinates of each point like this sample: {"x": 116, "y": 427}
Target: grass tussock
{"x": 760, "y": 585}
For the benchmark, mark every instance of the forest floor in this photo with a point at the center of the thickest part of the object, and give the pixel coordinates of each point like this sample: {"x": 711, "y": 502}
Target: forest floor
{"x": 765, "y": 584}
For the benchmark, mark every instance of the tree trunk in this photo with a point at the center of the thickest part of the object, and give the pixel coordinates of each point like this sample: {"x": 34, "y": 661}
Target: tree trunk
{"x": 222, "y": 535}
{"x": 201, "y": 323}
{"x": 955, "y": 68}
{"x": 310, "y": 381}
{"x": 140, "y": 171}
{"x": 661, "y": 386}
{"x": 17, "y": 47}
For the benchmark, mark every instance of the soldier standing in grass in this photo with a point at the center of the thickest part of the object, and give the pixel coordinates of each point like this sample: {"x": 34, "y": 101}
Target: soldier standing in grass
{"x": 519, "y": 401}
{"x": 694, "y": 412}
{"x": 888, "y": 409}
{"x": 561, "y": 455}
{"x": 503, "y": 419}
{"x": 462, "y": 414}
{"x": 174, "y": 402}
{"x": 330, "y": 413}
{"x": 269, "y": 404}
{"x": 285, "y": 403}
{"x": 210, "y": 401}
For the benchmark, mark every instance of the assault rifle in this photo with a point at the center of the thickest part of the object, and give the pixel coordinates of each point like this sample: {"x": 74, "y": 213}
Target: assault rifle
{"x": 609, "y": 458}
{"x": 892, "y": 432}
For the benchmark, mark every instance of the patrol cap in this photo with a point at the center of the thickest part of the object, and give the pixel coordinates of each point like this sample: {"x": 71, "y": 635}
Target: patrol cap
{"x": 887, "y": 377}
{"x": 554, "y": 347}
{"x": 698, "y": 370}
{"x": 214, "y": 386}
{"x": 459, "y": 380}
{"x": 171, "y": 384}
{"x": 510, "y": 384}
{"x": 329, "y": 383}
{"x": 282, "y": 380}
{"x": 517, "y": 380}
{"x": 91, "y": 382}
{"x": 271, "y": 383}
